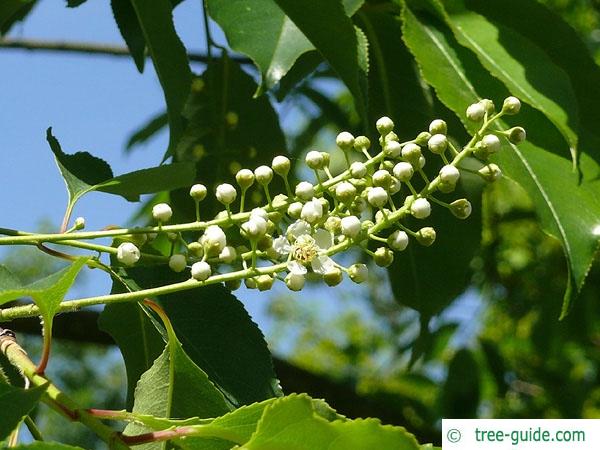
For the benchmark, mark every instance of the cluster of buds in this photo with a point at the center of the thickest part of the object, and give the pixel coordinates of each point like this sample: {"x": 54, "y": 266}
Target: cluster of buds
{"x": 367, "y": 206}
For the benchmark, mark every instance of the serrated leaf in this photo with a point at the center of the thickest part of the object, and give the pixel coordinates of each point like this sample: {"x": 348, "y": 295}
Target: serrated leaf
{"x": 15, "y": 404}
{"x": 333, "y": 35}
{"x": 131, "y": 31}
{"x": 460, "y": 394}
{"x": 38, "y": 445}
{"x": 12, "y": 11}
{"x": 169, "y": 58}
{"x": 226, "y": 129}
{"x": 520, "y": 64}
{"x": 292, "y": 423}
{"x": 567, "y": 206}
{"x": 262, "y": 31}
{"x": 175, "y": 387}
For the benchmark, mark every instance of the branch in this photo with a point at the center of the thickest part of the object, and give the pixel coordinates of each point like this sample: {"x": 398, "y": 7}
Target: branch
{"x": 92, "y": 49}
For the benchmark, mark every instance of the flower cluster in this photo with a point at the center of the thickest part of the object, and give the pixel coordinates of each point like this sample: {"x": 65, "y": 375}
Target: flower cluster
{"x": 367, "y": 206}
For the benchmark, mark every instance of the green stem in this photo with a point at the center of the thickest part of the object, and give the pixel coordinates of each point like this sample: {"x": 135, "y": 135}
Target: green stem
{"x": 33, "y": 429}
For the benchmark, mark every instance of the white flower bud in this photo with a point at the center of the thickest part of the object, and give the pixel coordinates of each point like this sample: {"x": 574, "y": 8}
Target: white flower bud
{"x": 421, "y": 162}
{"x": 345, "y": 192}
{"x": 351, "y": 226}
{"x": 314, "y": 159}
{"x": 488, "y": 105}
{"x": 490, "y": 172}
{"x": 305, "y": 190}
{"x": 264, "y": 282}
{"x": 395, "y": 186}
{"x": 344, "y": 140}
{"x": 201, "y": 271}
{"x": 517, "y": 135}
{"x": 294, "y": 210}
{"x": 162, "y": 212}
{"x": 411, "y": 153}
{"x": 490, "y": 143}
{"x": 214, "y": 238}
{"x": 362, "y": 143}
{"x": 177, "y": 263}
{"x": 382, "y": 178}
{"x": 260, "y": 212}
{"x": 333, "y": 224}
{"x": 128, "y": 254}
{"x": 426, "y": 236}
{"x": 255, "y": 227}
{"x": 263, "y": 174}
{"x": 384, "y": 257}
{"x": 381, "y": 215}
{"x": 403, "y": 171}
{"x": 438, "y": 126}
{"x": 79, "y": 223}
{"x": 422, "y": 138}
{"x": 449, "y": 174}
{"x": 312, "y": 210}
{"x": 437, "y": 143}
{"x": 358, "y": 169}
{"x": 511, "y": 105}
{"x": 226, "y": 193}
{"x": 398, "y": 240}
{"x": 475, "y": 112}
{"x": 384, "y": 125}
{"x": 245, "y": 178}
{"x": 359, "y": 273}
{"x": 198, "y": 192}
{"x": 420, "y": 208}
{"x": 392, "y": 149}
{"x": 377, "y": 197}
{"x": 461, "y": 208}
{"x": 294, "y": 281}
{"x": 333, "y": 276}
{"x": 228, "y": 255}
{"x": 281, "y": 165}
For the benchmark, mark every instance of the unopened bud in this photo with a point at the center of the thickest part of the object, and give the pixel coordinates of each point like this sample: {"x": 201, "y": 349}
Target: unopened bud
{"x": 333, "y": 276}
{"x": 475, "y": 112}
{"x": 461, "y": 208}
{"x": 362, "y": 143}
{"x": 398, "y": 240}
{"x": 511, "y": 105}
{"x": 358, "y": 169}
{"x": 344, "y": 140}
{"x": 517, "y": 135}
{"x": 384, "y": 257}
{"x": 264, "y": 282}
{"x": 382, "y": 178}
{"x": 314, "y": 160}
{"x": 426, "y": 236}
{"x": 411, "y": 153}
{"x": 422, "y": 138}
{"x": 490, "y": 172}
{"x": 226, "y": 193}
{"x": 177, "y": 263}
{"x": 245, "y": 178}
{"x": 263, "y": 174}
{"x": 198, "y": 192}
{"x": 384, "y": 126}
{"x": 162, "y": 212}
{"x": 281, "y": 165}
{"x": 201, "y": 271}
{"x": 359, "y": 273}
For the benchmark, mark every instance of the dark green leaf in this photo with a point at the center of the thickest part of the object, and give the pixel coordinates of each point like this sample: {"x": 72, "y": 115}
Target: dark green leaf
{"x": 460, "y": 395}
{"x": 262, "y": 31}
{"x": 12, "y": 11}
{"x": 227, "y": 130}
{"x": 74, "y": 3}
{"x": 147, "y": 181}
{"x": 395, "y": 89}
{"x": 137, "y": 338}
{"x": 304, "y": 66}
{"x": 292, "y": 423}
{"x": 130, "y": 29}
{"x": 15, "y": 404}
{"x": 218, "y": 335}
{"x": 568, "y": 207}
{"x": 521, "y": 65}
{"x": 175, "y": 387}
{"x": 46, "y": 446}
{"x": 332, "y": 33}
{"x": 146, "y": 131}
{"x": 169, "y": 58}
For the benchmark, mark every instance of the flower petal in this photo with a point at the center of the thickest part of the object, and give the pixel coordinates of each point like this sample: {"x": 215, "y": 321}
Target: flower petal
{"x": 322, "y": 264}
{"x": 281, "y": 246}
{"x": 298, "y": 228}
{"x": 323, "y": 239}
{"x": 296, "y": 268}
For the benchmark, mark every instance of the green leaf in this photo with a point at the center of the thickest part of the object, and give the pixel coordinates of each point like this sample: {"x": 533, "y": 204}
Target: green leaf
{"x": 147, "y": 181}
{"x": 226, "y": 130}
{"x": 460, "y": 395}
{"x": 137, "y": 338}
{"x": 38, "y": 445}
{"x": 131, "y": 30}
{"x": 217, "y": 334}
{"x": 395, "y": 90}
{"x": 568, "y": 207}
{"x": 12, "y": 11}
{"x": 175, "y": 387}
{"x": 520, "y": 64}
{"x": 169, "y": 58}
{"x": 8, "y": 280}
{"x": 333, "y": 34}
{"x": 85, "y": 173}
{"x": 15, "y": 404}
{"x": 147, "y": 130}
{"x": 74, "y": 3}
{"x": 262, "y": 31}
{"x": 292, "y": 423}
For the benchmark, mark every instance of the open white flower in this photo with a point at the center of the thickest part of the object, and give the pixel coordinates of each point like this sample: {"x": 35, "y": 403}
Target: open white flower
{"x": 306, "y": 248}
